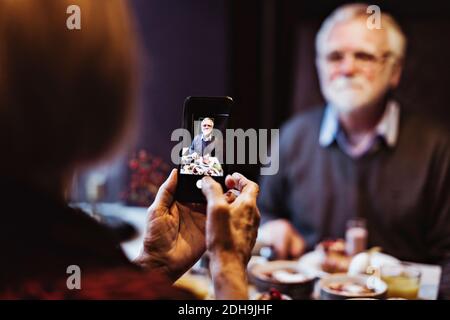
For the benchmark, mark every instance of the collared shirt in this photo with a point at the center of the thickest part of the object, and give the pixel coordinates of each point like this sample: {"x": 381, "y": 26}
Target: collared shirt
{"x": 208, "y": 138}
{"x": 206, "y": 141}
{"x": 386, "y": 129}
{"x": 403, "y": 195}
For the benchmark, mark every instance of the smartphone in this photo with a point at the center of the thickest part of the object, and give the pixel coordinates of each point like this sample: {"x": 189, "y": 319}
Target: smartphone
{"x": 206, "y": 119}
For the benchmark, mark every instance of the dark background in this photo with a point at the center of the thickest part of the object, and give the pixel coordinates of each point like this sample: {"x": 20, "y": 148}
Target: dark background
{"x": 261, "y": 53}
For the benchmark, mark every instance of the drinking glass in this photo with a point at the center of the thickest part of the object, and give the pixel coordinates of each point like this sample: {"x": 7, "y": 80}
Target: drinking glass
{"x": 403, "y": 280}
{"x": 356, "y": 236}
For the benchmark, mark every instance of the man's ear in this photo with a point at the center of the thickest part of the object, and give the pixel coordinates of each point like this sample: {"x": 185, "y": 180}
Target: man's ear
{"x": 318, "y": 64}
{"x": 397, "y": 69}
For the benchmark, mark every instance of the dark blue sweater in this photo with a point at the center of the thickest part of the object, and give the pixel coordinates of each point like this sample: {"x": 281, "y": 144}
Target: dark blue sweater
{"x": 402, "y": 192}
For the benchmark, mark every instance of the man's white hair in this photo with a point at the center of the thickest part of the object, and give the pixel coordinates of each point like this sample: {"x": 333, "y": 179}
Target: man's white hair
{"x": 208, "y": 118}
{"x": 348, "y": 12}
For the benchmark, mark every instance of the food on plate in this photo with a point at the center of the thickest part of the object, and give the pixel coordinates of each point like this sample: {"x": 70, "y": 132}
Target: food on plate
{"x": 197, "y": 165}
{"x": 350, "y": 287}
{"x": 373, "y": 258}
{"x": 379, "y": 259}
{"x": 359, "y": 263}
{"x": 197, "y": 170}
{"x": 343, "y": 286}
{"x": 273, "y": 294}
{"x": 205, "y": 160}
{"x": 286, "y": 276}
{"x": 335, "y": 258}
{"x": 333, "y": 246}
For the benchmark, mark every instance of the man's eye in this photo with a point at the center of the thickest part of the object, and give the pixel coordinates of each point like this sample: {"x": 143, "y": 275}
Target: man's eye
{"x": 363, "y": 56}
{"x": 334, "y": 57}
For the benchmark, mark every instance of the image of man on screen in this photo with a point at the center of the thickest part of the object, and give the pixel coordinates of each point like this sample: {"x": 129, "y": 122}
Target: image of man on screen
{"x": 204, "y": 143}
{"x": 201, "y": 158}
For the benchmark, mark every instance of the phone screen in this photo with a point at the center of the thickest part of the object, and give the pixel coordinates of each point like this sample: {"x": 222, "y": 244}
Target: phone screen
{"x": 206, "y": 154}
{"x": 206, "y": 119}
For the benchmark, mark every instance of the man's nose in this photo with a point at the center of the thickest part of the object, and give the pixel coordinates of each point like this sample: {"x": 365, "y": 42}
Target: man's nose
{"x": 347, "y": 66}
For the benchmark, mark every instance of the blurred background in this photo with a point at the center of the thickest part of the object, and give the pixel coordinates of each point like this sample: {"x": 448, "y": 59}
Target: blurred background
{"x": 261, "y": 53}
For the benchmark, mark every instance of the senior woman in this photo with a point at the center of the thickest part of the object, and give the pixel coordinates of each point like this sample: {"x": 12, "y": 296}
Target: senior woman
{"x": 66, "y": 101}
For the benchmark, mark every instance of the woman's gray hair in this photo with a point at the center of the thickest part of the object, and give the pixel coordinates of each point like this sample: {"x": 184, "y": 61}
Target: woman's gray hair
{"x": 348, "y": 12}
{"x": 67, "y": 98}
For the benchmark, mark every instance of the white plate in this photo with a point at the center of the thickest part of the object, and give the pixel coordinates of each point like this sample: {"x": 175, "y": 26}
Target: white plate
{"x": 429, "y": 284}
{"x": 312, "y": 262}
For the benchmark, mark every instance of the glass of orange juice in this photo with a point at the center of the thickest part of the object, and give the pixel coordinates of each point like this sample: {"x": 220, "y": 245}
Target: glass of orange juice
{"x": 403, "y": 281}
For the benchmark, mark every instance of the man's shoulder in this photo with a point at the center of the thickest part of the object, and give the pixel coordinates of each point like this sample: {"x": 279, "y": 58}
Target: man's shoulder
{"x": 303, "y": 125}
{"x": 304, "y": 120}
{"x": 422, "y": 125}
{"x": 302, "y": 130}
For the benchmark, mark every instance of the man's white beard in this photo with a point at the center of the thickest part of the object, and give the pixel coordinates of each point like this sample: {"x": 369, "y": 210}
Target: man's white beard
{"x": 347, "y": 94}
{"x": 207, "y": 135}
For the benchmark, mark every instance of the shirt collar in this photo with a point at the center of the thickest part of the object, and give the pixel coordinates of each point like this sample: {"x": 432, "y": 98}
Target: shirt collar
{"x": 387, "y": 128}
{"x": 207, "y": 138}
{"x": 329, "y": 127}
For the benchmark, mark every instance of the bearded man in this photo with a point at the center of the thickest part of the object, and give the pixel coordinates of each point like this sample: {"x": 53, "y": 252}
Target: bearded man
{"x": 363, "y": 155}
{"x": 204, "y": 143}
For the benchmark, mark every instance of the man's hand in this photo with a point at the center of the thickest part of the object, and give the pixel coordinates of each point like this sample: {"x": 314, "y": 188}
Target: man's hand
{"x": 175, "y": 235}
{"x": 286, "y": 241}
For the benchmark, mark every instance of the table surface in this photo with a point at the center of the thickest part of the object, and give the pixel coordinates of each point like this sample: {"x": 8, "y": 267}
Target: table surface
{"x": 133, "y": 215}
{"x": 137, "y": 217}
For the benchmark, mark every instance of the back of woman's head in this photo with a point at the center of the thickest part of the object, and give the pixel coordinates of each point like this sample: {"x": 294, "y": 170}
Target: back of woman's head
{"x": 66, "y": 96}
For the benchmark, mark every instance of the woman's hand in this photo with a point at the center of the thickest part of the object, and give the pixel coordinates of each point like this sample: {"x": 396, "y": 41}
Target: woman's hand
{"x": 178, "y": 234}
{"x": 175, "y": 236}
{"x": 231, "y": 230}
{"x": 232, "y": 218}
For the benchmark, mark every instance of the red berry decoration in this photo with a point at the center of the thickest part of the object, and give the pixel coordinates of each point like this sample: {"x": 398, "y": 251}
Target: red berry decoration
{"x": 146, "y": 174}
{"x": 275, "y": 294}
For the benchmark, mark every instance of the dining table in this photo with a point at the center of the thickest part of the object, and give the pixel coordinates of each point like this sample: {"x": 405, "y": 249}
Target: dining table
{"x": 197, "y": 278}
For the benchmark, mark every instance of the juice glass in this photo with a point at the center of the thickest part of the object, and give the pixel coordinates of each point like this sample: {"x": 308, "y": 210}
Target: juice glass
{"x": 403, "y": 281}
